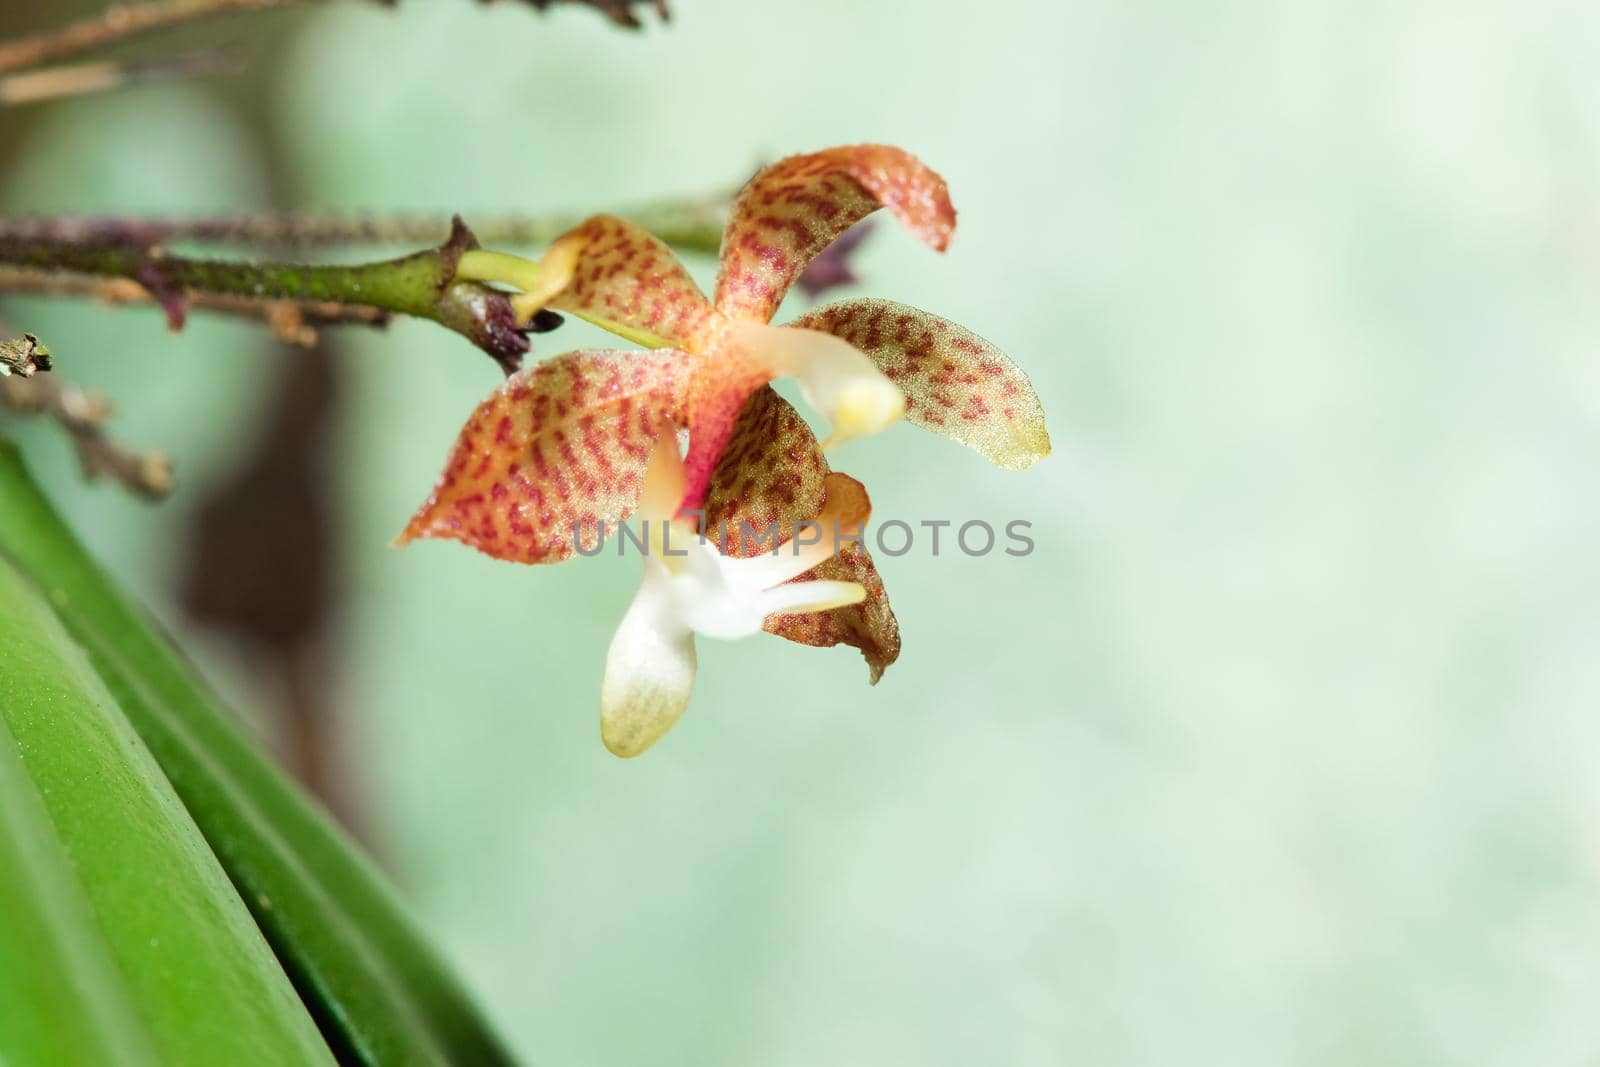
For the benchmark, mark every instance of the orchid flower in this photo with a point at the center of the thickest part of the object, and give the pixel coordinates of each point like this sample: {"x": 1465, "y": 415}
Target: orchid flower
{"x": 689, "y": 587}
{"x": 863, "y": 365}
{"x": 556, "y": 457}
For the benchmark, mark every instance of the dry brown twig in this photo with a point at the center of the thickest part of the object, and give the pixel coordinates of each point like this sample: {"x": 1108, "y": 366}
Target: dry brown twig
{"x": 618, "y": 11}
{"x": 689, "y": 224}
{"x": 118, "y": 23}
{"x": 83, "y": 416}
{"x": 103, "y": 76}
{"x": 123, "y": 22}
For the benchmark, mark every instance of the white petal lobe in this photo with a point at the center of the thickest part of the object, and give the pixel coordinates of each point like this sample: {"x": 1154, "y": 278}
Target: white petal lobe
{"x": 649, "y": 671}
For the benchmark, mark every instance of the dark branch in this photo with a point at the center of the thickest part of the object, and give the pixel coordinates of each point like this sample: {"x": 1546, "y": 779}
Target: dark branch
{"x": 118, "y": 23}
{"x": 689, "y": 225}
{"x": 291, "y": 321}
{"x": 123, "y": 22}
{"x": 421, "y": 285}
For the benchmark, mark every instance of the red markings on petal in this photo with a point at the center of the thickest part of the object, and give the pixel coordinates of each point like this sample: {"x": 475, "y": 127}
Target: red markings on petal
{"x": 724, "y": 379}
{"x": 773, "y": 475}
{"x": 794, "y": 209}
{"x": 713, "y": 416}
{"x": 560, "y": 444}
{"x": 627, "y": 277}
{"x": 955, "y": 383}
{"x": 869, "y": 626}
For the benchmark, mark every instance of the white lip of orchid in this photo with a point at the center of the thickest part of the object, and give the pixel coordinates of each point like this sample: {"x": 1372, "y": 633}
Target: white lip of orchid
{"x": 689, "y": 587}
{"x": 836, "y": 378}
{"x": 728, "y": 597}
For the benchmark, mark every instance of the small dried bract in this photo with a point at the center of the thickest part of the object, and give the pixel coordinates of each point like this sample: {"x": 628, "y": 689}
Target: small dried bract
{"x": 24, "y": 356}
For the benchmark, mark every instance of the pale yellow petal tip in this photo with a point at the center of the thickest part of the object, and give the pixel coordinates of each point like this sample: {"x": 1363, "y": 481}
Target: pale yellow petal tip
{"x": 1026, "y": 445}
{"x": 640, "y": 701}
{"x": 866, "y": 406}
{"x": 632, "y": 729}
{"x": 1013, "y": 445}
{"x": 649, "y": 676}
{"x": 624, "y": 744}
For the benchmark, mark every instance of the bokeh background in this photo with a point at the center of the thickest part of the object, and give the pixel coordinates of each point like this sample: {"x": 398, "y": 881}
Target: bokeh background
{"x": 1282, "y": 746}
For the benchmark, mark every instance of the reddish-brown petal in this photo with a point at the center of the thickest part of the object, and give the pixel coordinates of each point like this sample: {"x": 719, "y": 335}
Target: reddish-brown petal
{"x": 955, "y": 383}
{"x": 724, "y": 378}
{"x": 845, "y": 505}
{"x": 869, "y": 626}
{"x": 795, "y": 208}
{"x": 773, "y": 475}
{"x": 561, "y": 446}
{"x": 627, "y": 280}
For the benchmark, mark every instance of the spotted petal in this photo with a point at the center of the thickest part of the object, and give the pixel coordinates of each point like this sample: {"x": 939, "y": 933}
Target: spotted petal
{"x": 792, "y": 210}
{"x": 955, "y": 383}
{"x": 560, "y": 447}
{"x": 625, "y": 279}
{"x": 773, "y": 475}
{"x": 869, "y": 626}
{"x": 839, "y": 380}
{"x": 723, "y": 382}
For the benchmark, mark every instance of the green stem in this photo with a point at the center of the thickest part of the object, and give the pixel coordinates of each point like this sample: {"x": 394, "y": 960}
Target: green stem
{"x": 421, "y": 285}
{"x": 409, "y": 285}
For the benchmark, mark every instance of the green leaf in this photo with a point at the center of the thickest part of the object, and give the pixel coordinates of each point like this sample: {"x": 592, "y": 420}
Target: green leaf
{"x": 64, "y": 1002}
{"x": 381, "y": 993}
{"x": 193, "y": 963}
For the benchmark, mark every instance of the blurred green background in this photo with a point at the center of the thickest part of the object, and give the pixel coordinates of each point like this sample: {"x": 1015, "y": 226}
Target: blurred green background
{"x": 1281, "y": 748}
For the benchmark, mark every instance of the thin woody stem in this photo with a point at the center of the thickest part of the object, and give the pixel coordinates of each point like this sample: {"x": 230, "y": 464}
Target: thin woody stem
{"x": 121, "y": 260}
{"x": 103, "y": 76}
{"x": 125, "y": 21}
{"x": 119, "y": 23}
{"x": 409, "y": 285}
{"x": 689, "y": 225}
{"x": 294, "y": 322}
{"x": 83, "y": 416}
{"x": 421, "y": 285}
